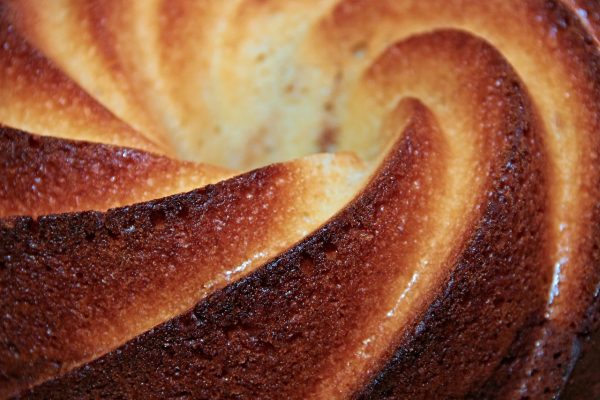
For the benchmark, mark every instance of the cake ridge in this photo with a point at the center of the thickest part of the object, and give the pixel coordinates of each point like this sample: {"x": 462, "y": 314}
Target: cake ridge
{"x": 452, "y": 251}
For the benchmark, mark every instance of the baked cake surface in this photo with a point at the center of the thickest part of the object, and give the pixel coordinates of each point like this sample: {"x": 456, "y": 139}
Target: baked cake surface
{"x": 167, "y": 230}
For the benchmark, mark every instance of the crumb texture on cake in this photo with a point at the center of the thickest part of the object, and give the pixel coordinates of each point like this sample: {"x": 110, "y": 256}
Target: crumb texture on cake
{"x": 300, "y": 199}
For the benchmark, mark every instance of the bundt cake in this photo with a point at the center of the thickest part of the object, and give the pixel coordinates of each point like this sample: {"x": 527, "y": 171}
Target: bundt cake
{"x": 308, "y": 199}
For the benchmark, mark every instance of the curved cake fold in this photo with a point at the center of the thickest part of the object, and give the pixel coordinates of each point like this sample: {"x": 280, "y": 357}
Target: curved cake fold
{"x": 456, "y": 256}
{"x": 558, "y": 61}
{"x": 61, "y": 30}
{"x": 176, "y": 68}
{"x": 59, "y": 107}
{"x": 87, "y": 282}
{"x": 237, "y": 335}
{"x": 43, "y": 175}
{"x": 354, "y": 290}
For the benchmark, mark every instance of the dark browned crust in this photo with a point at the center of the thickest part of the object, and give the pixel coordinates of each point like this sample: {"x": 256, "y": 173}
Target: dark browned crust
{"x": 584, "y": 381}
{"x": 542, "y": 370}
{"x": 545, "y": 372}
{"x": 497, "y": 290}
{"x": 266, "y": 336}
{"x": 488, "y": 302}
{"x": 269, "y": 335}
{"x": 44, "y": 175}
{"x": 67, "y": 280}
{"x": 589, "y": 13}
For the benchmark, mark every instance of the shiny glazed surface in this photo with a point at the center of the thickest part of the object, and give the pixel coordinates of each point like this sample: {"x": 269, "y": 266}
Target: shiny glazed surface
{"x": 448, "y": 247}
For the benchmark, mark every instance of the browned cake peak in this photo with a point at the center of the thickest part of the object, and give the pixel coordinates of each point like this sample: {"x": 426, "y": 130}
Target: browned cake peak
{"x": 452, "y": 252}
{"x": 514, "y": 133}
{"x": 42, "y": 175}
{"x": 165, "y": 254}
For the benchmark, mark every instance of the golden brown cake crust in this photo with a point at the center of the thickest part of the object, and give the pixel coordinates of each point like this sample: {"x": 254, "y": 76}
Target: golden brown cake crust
{"x": 280, "y": 331}
{"x": 43, "y": 175}
{"x": 59, "y": 107}
{"x": 252, "y": 338}
{"x": 89, "y": 281}
{"x": 461, "y": 260}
